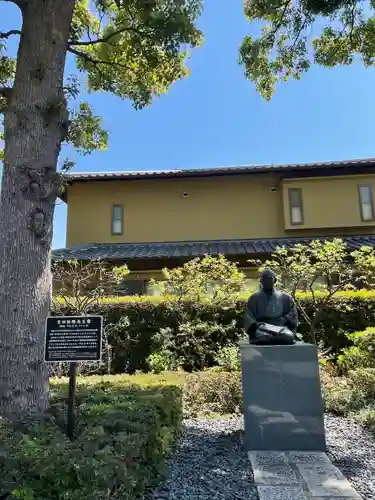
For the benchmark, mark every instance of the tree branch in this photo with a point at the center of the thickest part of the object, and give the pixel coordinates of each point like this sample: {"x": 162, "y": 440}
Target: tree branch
{"x": 87, "y": 57}
{"x": 9, "y": 33}
{"x": 285, "y": 6}
{"x": 107, "y": 38}
{"x": 99, "y": 40}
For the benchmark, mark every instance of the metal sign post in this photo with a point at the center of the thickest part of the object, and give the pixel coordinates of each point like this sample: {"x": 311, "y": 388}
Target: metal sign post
{"x": 73, "y": 339}
{"x": 70, "y": 417}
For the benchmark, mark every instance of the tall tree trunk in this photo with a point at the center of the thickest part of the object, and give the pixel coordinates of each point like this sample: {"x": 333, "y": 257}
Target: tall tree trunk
{"x": 34, "y": 124}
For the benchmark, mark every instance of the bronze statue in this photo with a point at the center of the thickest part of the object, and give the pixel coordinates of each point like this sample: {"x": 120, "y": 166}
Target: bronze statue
{"x": 271, "y": 315}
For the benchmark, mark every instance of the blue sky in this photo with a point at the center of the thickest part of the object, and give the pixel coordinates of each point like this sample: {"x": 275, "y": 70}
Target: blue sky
{"x": 216, "y": 118}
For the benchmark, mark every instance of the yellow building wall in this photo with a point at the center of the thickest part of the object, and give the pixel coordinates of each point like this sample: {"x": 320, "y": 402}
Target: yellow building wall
{"x": 331, "y": 202}
{"x": 157, "y": 211}
{"x": 249, "y": 206}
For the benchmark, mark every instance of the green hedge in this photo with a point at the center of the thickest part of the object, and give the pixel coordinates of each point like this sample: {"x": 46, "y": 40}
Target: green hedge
{"x": 123, "y": 435}
{"x": 132, "y": 345}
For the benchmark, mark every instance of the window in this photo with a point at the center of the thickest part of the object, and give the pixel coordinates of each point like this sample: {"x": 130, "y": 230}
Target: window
{"x": 366, "y": 202}
{"x": 117, "y": 219}
{"x": 295, "y": 206}
{"x": 132, "y": 287}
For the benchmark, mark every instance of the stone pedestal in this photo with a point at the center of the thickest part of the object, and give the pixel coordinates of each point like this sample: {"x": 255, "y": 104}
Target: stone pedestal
{"x": 283, "y": 405}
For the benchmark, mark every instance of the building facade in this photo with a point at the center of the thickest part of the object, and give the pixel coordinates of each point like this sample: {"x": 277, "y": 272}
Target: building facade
{"x": 152, "y": 220}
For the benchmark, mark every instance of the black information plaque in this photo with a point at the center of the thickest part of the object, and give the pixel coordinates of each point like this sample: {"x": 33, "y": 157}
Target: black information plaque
{"x": 73, "y": 338}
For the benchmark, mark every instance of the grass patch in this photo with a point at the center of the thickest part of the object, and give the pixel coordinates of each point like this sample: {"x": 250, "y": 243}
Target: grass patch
{"x": 125, "y": 429}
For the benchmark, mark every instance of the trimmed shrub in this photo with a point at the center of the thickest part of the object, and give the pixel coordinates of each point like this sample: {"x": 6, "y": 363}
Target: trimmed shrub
{"x": 213, "y": 392}
{"x": 123, "y": 435}
{"x": 154, "y": 326}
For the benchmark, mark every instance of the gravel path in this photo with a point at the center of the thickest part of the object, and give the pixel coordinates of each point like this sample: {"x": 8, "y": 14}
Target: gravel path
{"x": 352, "y": 450}
{"x": 211, "y": 464}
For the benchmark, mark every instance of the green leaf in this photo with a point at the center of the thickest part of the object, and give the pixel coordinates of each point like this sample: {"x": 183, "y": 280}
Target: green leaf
{"x": 140, "y": 54}
{"x": 85, "y": 131}
{"x": 285, "y": 48}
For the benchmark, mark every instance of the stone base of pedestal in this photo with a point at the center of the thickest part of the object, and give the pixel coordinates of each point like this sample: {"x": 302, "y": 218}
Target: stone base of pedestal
{"x": 283, "y": 405}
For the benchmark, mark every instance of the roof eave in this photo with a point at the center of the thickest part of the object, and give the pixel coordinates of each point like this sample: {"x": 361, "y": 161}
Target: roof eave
{"x": 313, "y": 168}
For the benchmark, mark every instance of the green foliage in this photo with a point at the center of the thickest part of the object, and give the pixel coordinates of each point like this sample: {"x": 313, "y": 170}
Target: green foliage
{"x": 228, "y": 359}
{"x": 162, "y": 361}
{"x": 7, "y": 66}
{"x": 192, "y": 340}
{"x": 85, "y": 132}
{"x": 193, "y": 345}
{"x": 213, "y": 392}
{"x": 131, "y": 48}
{"x": 352, "y": 396}
{"x": 366, "y": 418}
{"x": 302, "y": 266}
{"x": 137, "y": 52}
{"x": 124, "y": 433}
{"x": 213, "y": 278}
{"x": 147, "y": 317}
{"x": 362, "y": 353}
{"x": 342, "y": 31}
{"x": 1, "y": 149}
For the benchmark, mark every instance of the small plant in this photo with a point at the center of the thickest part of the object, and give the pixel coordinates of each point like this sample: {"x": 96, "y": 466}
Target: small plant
{"x": 229, "y": 359}
{"x": 366, "y": 418}
{"x": 361, "y": 354}
{"x": 162, "y": 362}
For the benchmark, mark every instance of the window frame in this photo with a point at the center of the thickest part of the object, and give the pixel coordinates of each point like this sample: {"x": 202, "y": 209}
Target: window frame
{"x": 369, "y": 186}
{"x": 300, "y": 206}
{"x": 121, "y": 206}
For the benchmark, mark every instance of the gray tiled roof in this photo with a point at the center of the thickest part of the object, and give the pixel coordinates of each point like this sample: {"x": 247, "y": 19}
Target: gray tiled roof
{"x": 204, "y": 172}
{"x": 129, "y": 251}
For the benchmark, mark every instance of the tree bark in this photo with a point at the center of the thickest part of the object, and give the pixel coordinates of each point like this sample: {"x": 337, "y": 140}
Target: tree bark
{"x": 35, "y": 123}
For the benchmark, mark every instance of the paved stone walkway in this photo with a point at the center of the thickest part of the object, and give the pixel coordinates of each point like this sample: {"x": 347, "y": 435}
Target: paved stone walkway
{"x": 299, "y": 476}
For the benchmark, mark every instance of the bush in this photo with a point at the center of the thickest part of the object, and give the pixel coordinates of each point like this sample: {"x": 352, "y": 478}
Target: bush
{"x": 366, "y": 418}
{"x": 213, "y": 392}
{"x": 351, "y": 396}
{"x": 229, "y": 359}
{"x": 123, "y": 435}
{"x": 362, "y": 353}
{"x": 363, "y": 384}
{"x": 153, "y": 323}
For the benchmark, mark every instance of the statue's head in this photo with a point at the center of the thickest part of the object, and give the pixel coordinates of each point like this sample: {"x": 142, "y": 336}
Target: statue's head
{"x": 268, "y": 280}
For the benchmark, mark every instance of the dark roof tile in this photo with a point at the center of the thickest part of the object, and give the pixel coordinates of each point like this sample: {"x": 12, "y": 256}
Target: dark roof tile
{"x": 202, "y": 172}
{"x": 128, "y": 251}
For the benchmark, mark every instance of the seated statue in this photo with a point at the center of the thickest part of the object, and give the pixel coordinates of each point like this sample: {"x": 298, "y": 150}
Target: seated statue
{"x": 271, "y": 315}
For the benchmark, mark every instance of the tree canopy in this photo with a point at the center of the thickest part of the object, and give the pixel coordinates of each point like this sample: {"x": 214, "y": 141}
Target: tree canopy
{"x": 134, "y": 49}
{"x": 294, "y": 35}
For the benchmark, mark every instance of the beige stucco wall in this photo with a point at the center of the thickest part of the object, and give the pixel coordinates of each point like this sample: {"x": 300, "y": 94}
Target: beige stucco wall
{"x": 215, "y": 208}
{"x": 329, "y": 202}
